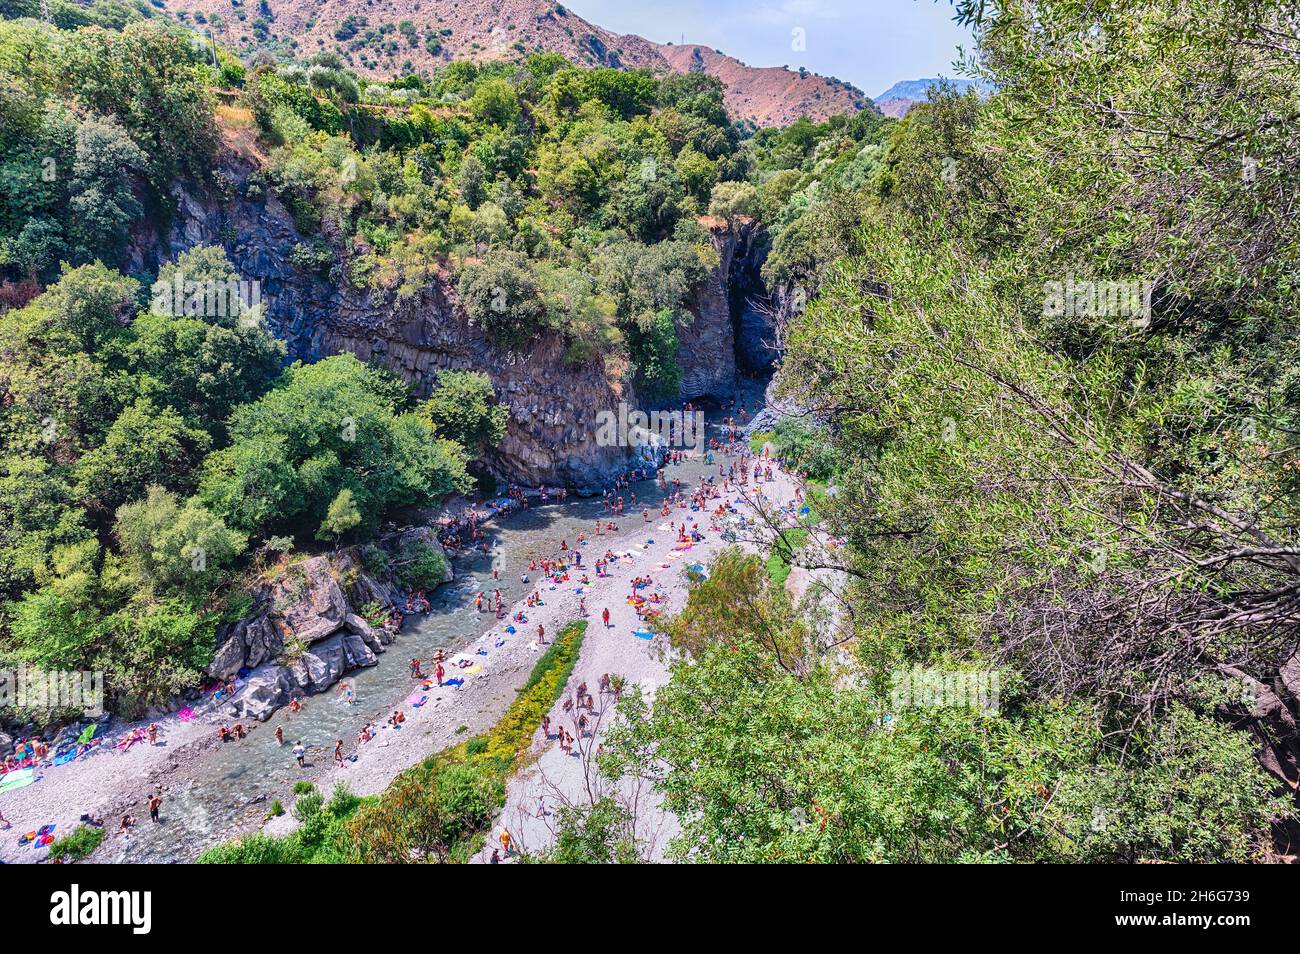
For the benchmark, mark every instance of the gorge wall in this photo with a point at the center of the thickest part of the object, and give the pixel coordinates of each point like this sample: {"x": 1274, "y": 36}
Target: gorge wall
{"x": 554, "y": 405}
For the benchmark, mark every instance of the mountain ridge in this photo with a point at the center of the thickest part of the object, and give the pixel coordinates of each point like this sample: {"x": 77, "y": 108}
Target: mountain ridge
{"x": 385, "y": 38}
{"x": 903, "y": 95}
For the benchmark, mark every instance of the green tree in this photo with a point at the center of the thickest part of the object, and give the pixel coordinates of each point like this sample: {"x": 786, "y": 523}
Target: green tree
{"x": 341, "y": 517}
{"x": 463, "y": 407}
{"x": 175, "y": 544}
{"x": 494, "y": 101}
{"x": 503, "y": 296}
{"x": 102, "y": 205}
{"x": 145, "y": 445}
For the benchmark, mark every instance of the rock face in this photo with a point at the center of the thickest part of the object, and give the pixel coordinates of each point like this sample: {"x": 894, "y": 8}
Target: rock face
{"x": 707, "y": 346}
{"x": 305, "y": 632}
{"x": 556, "y": 405}
{"x": 759, "y": 315}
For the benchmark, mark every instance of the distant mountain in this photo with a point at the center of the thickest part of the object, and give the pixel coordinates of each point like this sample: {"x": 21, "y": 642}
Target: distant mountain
{"x": 385, "y": 38}
{"x": 902, "y": 96}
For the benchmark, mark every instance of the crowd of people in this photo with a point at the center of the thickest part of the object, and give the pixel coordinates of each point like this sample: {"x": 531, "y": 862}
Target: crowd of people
{"x": 707, "y": 502}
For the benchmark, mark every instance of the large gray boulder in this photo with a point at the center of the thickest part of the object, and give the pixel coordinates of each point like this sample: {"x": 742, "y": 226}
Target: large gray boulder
{"x": 229, "y": 657}
{"x": 376, "y": 639}
{"x": 308, "y": 601}
{"x": 262, "y": 641}
{"x": 321, "y": 666}
{"x": 265, "y": 690}
{"x": 356, "y": 653}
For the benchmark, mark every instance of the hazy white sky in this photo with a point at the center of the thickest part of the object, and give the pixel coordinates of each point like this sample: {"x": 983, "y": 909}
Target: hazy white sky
{"x": 870, "y": 43}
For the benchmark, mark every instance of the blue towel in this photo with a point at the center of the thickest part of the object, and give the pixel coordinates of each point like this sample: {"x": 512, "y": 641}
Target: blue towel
{"x": 643, "y": 634}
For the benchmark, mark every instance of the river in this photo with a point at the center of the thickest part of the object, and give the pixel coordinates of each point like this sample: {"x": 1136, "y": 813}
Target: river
{"x": 234, "y": 785}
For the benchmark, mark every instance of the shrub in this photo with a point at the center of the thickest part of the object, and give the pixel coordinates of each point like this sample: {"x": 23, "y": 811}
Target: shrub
{"x": 80, "y": 844}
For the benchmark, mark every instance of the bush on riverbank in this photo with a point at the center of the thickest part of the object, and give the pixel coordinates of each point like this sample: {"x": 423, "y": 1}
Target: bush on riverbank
{"x": 441, "y": 809}
{"x": 80, "y": 844}
{"x": 317, "y": 840}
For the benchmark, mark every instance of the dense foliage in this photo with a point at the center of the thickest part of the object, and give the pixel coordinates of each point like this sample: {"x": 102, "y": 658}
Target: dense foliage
{"x": 1042, "y": 338}
{"x": 1088, "y": 497}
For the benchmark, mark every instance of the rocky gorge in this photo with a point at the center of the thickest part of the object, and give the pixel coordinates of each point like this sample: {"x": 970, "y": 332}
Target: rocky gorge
{"x": 306, "y": 625}
{"x": 550, "y": 439}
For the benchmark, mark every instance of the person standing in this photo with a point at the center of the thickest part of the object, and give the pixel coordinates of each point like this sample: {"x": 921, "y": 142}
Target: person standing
{"x": 300, "y": 753}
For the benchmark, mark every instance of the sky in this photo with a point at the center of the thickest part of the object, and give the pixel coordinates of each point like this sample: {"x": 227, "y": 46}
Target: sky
{"x": 871, "y": 43}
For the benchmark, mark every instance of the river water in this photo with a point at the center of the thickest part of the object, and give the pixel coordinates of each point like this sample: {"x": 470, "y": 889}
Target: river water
{"x": 234, "y": 784}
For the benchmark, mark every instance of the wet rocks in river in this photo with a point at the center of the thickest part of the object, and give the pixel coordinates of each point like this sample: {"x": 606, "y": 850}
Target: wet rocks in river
{"x": 306, "y": 630}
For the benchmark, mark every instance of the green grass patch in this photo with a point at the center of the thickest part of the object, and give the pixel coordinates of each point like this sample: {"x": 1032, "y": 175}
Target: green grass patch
{"x": 780, "y": 560}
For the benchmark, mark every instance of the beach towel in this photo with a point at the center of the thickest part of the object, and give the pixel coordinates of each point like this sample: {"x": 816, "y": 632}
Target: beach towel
{"x": 642, "y": 634}
{"x": 45, "y": 829}
{"x": 87, "y": 734}
{"x": 473, "y": 669}
{"x": 19, "y": 778}
{"x": 453, "y": 682}
{"x": 64, "y": 757}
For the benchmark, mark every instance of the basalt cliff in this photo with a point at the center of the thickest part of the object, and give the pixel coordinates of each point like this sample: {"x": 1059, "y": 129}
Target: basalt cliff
{"x": 554, "y": 404}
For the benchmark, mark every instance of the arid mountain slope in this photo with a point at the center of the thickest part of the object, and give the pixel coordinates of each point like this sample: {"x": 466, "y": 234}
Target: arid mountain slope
{"x": 385, "y": 38}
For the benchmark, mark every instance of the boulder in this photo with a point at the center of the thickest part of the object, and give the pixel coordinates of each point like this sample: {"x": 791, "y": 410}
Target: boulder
{"x": 229, "y": 658}
{"x": 376, "y": 639}
{"x": 321, "y": 666}
{"x": 356, "y": 652}
{"x": 262, "y": 642}
{"x": 265, "y": 690}
{"x": 308, "y": 601}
